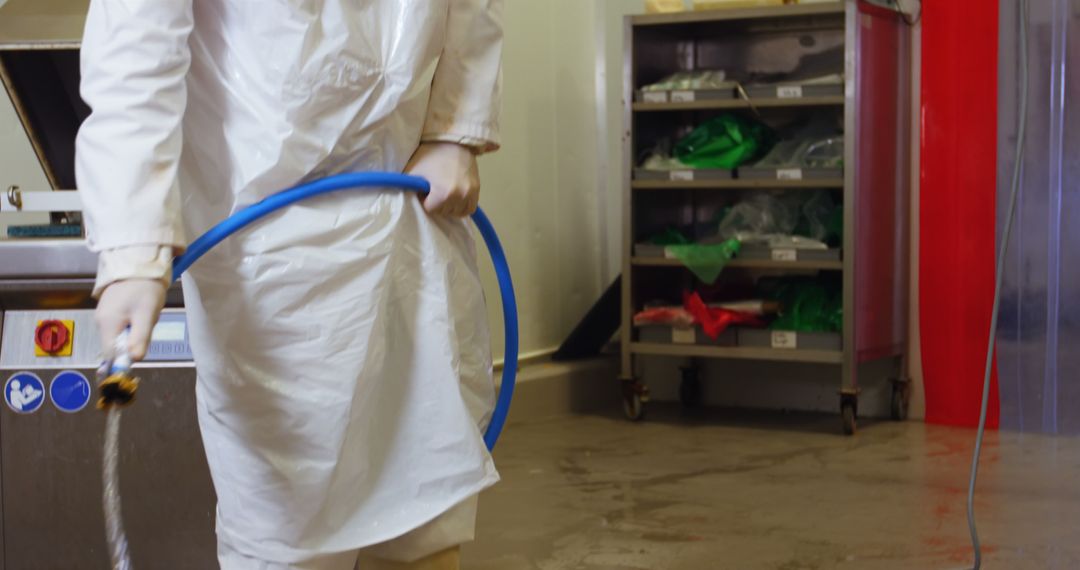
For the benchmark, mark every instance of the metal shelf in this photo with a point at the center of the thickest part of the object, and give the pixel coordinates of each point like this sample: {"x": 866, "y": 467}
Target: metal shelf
{"x": 790, "y": 11}
{"x": 736, "y": 184}
{"x": 746, "y": 264}
{"x": 741, "y": 104}
{"x": 875, "y": 218}
{"x": 741, "y": 353}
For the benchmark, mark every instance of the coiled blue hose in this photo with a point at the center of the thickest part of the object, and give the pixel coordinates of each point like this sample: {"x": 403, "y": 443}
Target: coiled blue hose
{"x": 353, "y": 181}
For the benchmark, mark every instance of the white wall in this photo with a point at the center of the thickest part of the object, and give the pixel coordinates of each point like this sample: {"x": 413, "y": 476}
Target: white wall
{"x": 610, "y": 47}
{"x": 541, "y": 188}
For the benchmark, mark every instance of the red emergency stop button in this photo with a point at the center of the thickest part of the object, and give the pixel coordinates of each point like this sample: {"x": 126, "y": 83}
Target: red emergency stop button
{"x": 53, "y": 337}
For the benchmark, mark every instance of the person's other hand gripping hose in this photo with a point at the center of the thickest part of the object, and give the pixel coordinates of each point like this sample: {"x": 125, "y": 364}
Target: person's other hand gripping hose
{"x": 454, "y": 176}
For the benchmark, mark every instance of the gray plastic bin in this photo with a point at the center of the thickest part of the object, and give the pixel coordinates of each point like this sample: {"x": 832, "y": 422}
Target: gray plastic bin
{"x": 789, "y": 173}
{"x": 685, "y": 175}
{"x": 781, "y": 254}
{"x": 661, "y": 334}
{"x": 789, "y": 340}
{"x": 789, "y": 91}
{"x": 649, "y": 250}
{"x": 684, "y": 96}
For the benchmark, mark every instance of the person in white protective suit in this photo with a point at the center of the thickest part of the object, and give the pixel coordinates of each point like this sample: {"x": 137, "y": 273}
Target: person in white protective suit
{"x": 343, "y": 356}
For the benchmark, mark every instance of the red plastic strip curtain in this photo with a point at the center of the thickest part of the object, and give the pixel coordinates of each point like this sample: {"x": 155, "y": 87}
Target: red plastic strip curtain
{"x": 957, "y": 205}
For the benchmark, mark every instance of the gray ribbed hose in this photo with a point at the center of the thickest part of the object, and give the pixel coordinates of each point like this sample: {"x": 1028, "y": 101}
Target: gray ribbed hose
{"x": 119, "y": 365}
{"x": 114, "y": 521}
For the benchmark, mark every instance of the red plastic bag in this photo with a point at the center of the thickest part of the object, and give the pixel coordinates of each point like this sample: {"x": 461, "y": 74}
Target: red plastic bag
{"x": 714, "y": 321}
{"x": 673, "y": 316}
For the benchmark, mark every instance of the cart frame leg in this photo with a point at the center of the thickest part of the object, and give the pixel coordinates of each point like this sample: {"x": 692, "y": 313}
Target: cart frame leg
{"x": 690, "y": 384}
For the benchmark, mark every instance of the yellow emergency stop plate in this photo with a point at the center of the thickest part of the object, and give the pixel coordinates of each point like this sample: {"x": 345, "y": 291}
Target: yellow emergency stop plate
{"x": 65, "y": 350}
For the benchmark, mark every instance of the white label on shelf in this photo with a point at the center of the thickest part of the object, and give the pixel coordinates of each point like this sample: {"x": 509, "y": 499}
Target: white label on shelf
{"x": 785, "y": 340}
{"x": 655, "y": 96}
{"x": 789, "y": 92}
{"x": 789, "y": 174}
{"x": 685, "y": 175}
{"x": 785, "y": 255}
{"x": 682, "y": 96}
{"x": 681, "y": 335}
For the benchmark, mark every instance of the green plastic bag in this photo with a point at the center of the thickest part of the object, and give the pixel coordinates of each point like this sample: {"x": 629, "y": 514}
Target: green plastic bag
{"x": 808, "y": 305}
{"x": 705, "y": 261}
{"x": 724, "y": 142}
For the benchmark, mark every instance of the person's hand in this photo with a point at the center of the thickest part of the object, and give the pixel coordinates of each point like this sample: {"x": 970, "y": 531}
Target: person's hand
{"x": 454, "y": 176}
{"x": 135, "y": 303}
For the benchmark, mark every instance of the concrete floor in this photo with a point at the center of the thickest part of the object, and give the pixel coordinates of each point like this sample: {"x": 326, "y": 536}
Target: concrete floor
{"x": 722, "y": 490}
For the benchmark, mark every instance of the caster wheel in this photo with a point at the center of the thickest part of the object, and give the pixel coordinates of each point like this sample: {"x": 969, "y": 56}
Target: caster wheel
{"x": 901, "y": 401}
{"x": 849, "y": 415}
{"x": 635, "y": 396}
{"x": 690, "y": 388}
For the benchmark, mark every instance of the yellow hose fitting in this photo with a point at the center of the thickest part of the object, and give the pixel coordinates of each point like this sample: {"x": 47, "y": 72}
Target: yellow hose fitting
{"x": 117, "y": 391}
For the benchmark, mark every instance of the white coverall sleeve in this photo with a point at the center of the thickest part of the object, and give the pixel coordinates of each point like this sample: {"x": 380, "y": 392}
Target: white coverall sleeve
{"x": 134, "y": 262}
{"x": 135, "y": 59}
{"x": 466, "y": 93}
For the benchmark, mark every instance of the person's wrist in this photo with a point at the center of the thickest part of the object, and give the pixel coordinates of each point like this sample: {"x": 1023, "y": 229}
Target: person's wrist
{"x": 452, "y": 145}
{"x": 145, "y": 262}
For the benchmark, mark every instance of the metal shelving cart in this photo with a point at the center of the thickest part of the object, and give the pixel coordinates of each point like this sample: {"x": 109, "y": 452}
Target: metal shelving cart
{"x": 868, "y": 46}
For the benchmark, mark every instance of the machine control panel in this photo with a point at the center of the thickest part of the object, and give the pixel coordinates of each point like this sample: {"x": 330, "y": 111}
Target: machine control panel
{"x": 69, "y": 340}
{"x": 169, "y": 342}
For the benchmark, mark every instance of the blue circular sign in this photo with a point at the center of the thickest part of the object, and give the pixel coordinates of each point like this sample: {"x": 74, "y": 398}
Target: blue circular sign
{"x": 24, "y": 393}
{"x": 70, "y": 391}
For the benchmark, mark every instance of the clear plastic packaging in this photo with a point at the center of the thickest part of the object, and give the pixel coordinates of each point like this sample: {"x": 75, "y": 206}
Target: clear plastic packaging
{"x": 824, "y": 153}
{"x": 659, "y": 161}
{"x": 805, "y": 153}
{"x": 785, "y": 154}
{"x": 692, "y": 80}
{"x": 761, "y": 214}
{"x": 818, "y": 143}
{"x": 817, "y": 216}
{"x": 659, "y": 157}
{"x": 781, "y": 221}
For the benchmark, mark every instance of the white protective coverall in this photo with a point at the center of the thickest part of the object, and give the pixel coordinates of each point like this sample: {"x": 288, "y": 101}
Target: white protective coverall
{"x": 343, "y": 356}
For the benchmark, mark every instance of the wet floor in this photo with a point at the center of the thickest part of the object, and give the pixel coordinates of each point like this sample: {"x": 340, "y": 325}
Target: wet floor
{"x": 744, "y": 491}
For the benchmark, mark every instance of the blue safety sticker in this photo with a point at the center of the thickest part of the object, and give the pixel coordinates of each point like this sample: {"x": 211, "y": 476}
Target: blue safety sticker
{"x": 70, "y": 391}
{"x": 24, "y": 393}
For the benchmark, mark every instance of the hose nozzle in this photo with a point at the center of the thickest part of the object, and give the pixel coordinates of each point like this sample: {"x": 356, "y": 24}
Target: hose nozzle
{"x": 117, "y": 386}
{"x": 117, "y": 391}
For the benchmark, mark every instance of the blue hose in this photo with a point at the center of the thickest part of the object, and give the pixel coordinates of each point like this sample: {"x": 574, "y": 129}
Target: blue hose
{"x": 253, "y": 213}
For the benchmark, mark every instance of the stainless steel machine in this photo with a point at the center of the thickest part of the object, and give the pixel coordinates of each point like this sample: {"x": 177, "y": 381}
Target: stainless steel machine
{"x": 50, "y": 450}
{"x": 50, "y": 430}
